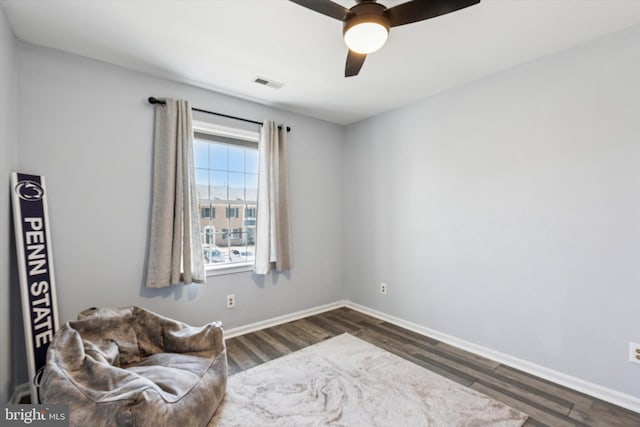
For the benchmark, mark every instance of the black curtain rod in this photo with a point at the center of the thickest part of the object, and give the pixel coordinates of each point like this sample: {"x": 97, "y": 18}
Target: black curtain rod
{"x": 153, "y": 100}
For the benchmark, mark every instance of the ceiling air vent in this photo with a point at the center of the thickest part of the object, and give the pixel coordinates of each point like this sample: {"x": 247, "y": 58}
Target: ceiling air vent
{"x": 267, "y": 82}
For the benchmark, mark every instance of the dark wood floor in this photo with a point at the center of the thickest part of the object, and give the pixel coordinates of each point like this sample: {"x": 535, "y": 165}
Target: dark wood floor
{"x": 546, "y": 403}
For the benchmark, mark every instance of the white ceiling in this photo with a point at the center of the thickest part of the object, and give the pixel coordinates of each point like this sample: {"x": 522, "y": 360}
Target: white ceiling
{"x": 224, "y": 44}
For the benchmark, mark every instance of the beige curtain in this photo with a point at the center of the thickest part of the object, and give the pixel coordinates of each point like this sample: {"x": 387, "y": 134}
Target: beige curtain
{"x": 273, "y": 241}
{"x": 175, "y": 249}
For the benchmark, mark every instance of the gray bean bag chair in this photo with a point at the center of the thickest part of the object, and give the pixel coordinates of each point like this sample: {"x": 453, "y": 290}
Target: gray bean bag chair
{"x": 131, "y": 367}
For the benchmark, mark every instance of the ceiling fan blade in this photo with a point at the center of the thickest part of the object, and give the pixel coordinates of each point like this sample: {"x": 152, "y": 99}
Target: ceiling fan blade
{"x": 354, "y": 63}
{"x": 325, "y": 7}
{"x": 419, "y": 10}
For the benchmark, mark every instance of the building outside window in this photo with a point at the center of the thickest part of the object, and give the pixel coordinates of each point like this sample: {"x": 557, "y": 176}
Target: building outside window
{"x": 226, "y": 164}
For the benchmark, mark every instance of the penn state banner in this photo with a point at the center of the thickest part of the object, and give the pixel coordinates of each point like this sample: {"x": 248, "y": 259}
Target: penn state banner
{"x": 35, "y": 269}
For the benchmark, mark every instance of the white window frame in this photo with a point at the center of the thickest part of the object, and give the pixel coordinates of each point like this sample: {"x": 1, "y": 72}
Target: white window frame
{"x": 235, "y": 133}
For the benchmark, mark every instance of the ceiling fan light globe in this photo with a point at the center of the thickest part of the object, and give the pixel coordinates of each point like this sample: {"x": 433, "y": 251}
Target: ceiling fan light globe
{"x": 366, "y": 37}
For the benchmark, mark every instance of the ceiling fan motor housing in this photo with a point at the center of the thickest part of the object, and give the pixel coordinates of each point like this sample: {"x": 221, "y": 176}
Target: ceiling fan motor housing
{"x": 366, "y": 11}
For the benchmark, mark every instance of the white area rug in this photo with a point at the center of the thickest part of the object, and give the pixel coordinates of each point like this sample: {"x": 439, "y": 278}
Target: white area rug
{"x": 346, "y": 381}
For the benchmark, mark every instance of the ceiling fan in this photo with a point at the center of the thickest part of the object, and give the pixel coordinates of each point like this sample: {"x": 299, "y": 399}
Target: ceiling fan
{"x": 366, "y": 25}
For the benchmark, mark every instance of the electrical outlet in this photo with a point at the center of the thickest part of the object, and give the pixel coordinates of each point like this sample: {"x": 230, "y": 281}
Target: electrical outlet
{"x": 383, "y": 288}
{"x": 231, "y": 301}
{"x": 634, "y": 352}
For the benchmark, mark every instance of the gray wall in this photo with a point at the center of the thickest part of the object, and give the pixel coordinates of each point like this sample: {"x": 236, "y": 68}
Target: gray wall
{"x": 507, "y": 212}
{"x": 504, "y": 212}
{"x": 86, "y": 126}
{"x": 8, "y": 161}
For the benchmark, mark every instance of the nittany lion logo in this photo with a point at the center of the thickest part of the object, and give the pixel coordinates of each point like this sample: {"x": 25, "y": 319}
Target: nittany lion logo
{"x": 29, "y": 191}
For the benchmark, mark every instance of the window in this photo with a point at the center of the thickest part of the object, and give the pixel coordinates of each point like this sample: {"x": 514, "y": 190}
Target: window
{"x": 226, "y": 162}
{"x": 207, "y": 212}
{"x": 209, "y": 235}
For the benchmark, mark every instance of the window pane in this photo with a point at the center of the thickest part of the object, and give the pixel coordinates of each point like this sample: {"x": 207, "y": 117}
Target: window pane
{"x": 221, "y": 220}
{"x": 236, "y": 186}
{"x": 201, "y": 153}
{"x": 249, "y": 212}
{"x": 214, "y": 255}
{"x": 232, "y": 212}
{"x": 251, "y": 161}
{"x": 222, "y": 245}
{"x": 242, "y": 253}
{"x": 251, "y": 237}
{"x": 251, "y": 183}
{"x": 205, "y": 212}
{"x": 202, "y": 184}
{"x": 208, "y": 235}
{"x": 236, "y": 159}
{"x": 218, "y": 156}
{"x": 205, "y": 222}
{"x": 219, "y": 185}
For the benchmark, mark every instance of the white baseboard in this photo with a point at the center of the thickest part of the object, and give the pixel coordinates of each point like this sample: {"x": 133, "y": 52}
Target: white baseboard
{"x": 252, "y": 327}
{"x": 612, "y": 396}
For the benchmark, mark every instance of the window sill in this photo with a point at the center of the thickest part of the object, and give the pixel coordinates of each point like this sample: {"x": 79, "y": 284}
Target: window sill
{"x": 219, "y": 270}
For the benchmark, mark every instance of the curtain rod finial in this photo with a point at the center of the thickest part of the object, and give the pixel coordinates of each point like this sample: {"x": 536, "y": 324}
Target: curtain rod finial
{"x": 154, "y": 100}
